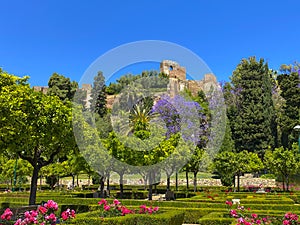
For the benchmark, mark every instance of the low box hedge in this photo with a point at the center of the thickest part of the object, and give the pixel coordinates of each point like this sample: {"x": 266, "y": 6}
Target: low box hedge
{"x": 164, "y": 218}
{"x": 216, "y": 221}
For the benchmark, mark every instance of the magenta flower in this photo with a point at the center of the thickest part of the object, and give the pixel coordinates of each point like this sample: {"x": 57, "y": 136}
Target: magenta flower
{"x": 103, "y": 201}
{"x": 116, "y": 202}
{"x": 42, "y": 209}
{"x": 106, "y": 207}
{"x": 285, "y": 222}
{"x": 51, "y": 205}
{"x": 7, "y": 214}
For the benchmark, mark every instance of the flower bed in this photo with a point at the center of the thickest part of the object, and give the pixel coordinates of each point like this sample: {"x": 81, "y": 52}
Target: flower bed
{"x": 45, "y": 214}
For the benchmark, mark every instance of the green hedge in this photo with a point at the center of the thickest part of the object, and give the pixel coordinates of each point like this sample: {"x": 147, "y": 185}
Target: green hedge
{"x": 216, "y": 221}
{"x": 165, "y": 218}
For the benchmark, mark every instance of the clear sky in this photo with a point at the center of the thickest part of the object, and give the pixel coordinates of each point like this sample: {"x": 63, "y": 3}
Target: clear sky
{"x": 39, "y": 37}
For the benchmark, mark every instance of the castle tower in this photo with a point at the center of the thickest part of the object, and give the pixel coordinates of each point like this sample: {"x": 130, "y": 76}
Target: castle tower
{"x": 173, "y": 70}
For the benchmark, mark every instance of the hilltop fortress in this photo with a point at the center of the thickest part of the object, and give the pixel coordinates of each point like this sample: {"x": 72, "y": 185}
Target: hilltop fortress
{"x": 177, "y": 82}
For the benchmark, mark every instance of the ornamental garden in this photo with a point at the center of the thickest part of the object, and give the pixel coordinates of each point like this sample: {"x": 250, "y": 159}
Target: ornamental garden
{"x": 152, "y": 149}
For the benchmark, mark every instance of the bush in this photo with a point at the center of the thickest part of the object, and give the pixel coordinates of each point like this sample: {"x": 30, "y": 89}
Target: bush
{"x": 216, "y": 221}
{"x": 165, "y": 218}
{"x": 268, "y": 176}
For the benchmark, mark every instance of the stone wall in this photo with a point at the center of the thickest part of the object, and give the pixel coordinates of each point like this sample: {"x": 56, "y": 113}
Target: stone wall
{"x": 173, "y": 70}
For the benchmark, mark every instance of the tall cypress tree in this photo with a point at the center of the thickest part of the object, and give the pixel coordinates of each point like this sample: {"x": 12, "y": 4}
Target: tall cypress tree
{"x": 98, "y": 95}
{"x": 290, "y": 90}
{"x": 253, "y": 120}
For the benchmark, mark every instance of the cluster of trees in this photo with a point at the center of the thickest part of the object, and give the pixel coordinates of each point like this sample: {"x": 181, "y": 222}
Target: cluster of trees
{"x": 262, "y": 109}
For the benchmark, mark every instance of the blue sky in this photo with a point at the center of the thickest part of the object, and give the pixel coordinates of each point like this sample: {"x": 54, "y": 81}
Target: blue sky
{"x": 41, "y": 37}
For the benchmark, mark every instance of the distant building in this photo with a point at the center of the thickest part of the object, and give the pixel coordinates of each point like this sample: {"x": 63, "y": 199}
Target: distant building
{"x": 178, "y": 81}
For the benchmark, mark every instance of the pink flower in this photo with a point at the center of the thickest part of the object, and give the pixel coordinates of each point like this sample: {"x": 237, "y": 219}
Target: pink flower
{"x": 51, "y": 205}
{"x": 155, "y": 208}
{"x": 116, "y": 202}
{"x": 7, "y": 214}
{"x": 258, "y": 222}
{"x": 103, "y": 201}
{"x": 18, "y": 222}
{"x": 125, "y": 211}
{"x": 143, "y": 207}
{"x": 106, "y": 207}
{"x": 51, "y": 217}
{"x": 34, "y": 213}
{"x": 228, "y": 203}
{"x": 285, "y": 222}
{"x": 241, "y": 220}
{"x": 254, "y": 215}
{"x": 233, "y": 213}
{"x": 73, "y": 213}
{"x": 42, "y": 209}
{"x": 65, "y": 215}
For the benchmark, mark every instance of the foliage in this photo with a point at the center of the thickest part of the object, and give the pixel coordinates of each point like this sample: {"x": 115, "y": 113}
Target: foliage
{"x": 283, "y": 162}
{"x": 229, "y": 164}
{"x": 62, "y": 87}
{"x": 289, "y": 90}
{"x": 34, "y": 126}
{"x": 45, "y": 214}
{"x": 244, "y": 216}
{"x": 98, "y": 95}
{"x": 117, "y": 209}
{"x": 251, "y": 109}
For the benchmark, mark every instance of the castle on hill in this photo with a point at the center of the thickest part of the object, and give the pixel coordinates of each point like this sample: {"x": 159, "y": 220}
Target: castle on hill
{"x": 177, "y": 82}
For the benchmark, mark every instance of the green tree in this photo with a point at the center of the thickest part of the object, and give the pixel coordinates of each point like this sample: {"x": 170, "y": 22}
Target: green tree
{"x": 23, "y": 169}
{"x": 62, "y": 87}
{"x": 290, "y": 91}
{"x": 247, "y": 162}
{"x": 228, "y": 143}
{"x": 98, "y": 95}
{"x": 34, "y": 126}
{"x": 224, "y": 163}
{"x": 252, "y": 113}
{"x": 284, "y": 163}
{"x": 229, "y": 164}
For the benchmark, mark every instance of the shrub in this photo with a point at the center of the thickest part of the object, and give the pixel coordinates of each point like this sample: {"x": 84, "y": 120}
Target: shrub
{"x": 165, "y": 218}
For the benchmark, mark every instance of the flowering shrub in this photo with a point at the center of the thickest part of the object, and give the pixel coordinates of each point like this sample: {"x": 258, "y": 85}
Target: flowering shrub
{"x": 117, "y": 209}
{"x": 45, "y": 214}
{"x": 247, "y": 218}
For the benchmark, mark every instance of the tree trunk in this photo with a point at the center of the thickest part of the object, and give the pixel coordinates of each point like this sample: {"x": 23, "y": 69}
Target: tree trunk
{"x": 33, "y": 185}
{"x": 187, "y": 179}
{"x": 121, "y": 185}
{"x": 89, "y": 180}
{"x": 145, "y": 182}
{"x": 150, "y": 186}
{"x": 73, "y": 181}
{"x": 168, "y": 183}
{"x": 77, "y": 182}
{"x": 195, "y": 181}
{"x": 287, "y": 183}
{"x": 176, "y": 181}
{"x": 102, "y": 186}
{"x": 283, "y": 183}
{"x": 238, "y": 181}
{"x": 107, "y": 185}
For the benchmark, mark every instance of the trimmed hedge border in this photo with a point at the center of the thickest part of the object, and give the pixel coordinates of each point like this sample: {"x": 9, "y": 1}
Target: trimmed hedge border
{"x": 164, "y": 218}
